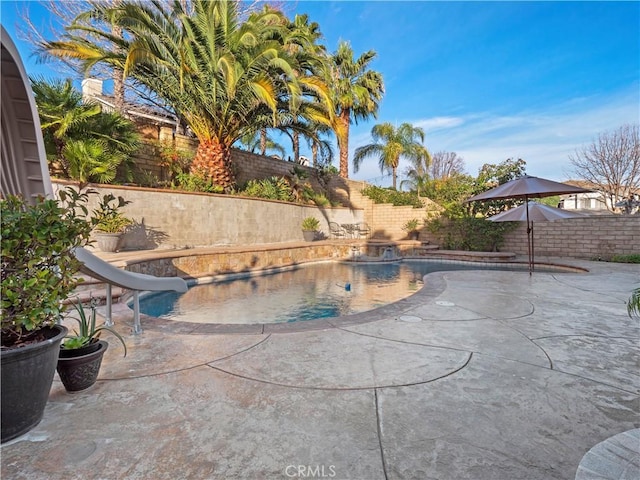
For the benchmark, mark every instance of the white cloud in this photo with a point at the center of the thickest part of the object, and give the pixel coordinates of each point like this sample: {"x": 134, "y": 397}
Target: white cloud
{"x": 544, "y": 139}
{"x": 438, "y": 123}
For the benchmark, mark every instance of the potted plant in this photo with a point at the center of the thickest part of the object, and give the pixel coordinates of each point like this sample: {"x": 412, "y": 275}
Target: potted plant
{"x": 81, "y": 353}
{"x": 109, "y": 222}
{"x": 411, "y": 227}
{"x": 633, "y": 305}
{"x": 38, "y": 273}
{"x": 310, "y": 226}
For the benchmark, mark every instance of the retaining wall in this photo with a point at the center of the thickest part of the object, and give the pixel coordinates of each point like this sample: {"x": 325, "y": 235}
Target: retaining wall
{"x": 171, "y": 219}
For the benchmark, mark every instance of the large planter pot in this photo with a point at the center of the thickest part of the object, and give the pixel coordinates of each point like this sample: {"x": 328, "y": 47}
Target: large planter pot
{"x": 309, "y": 235}
{"x": 108, "y": 242}
{"x": 78, "y": 369}
{"x": 26, "y": 376}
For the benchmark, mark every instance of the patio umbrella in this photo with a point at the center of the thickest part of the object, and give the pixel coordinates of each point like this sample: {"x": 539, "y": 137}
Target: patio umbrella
{"x": 533, "y": 212}
{"x": 527, "y": 187}
{"x": 537, "y": 213}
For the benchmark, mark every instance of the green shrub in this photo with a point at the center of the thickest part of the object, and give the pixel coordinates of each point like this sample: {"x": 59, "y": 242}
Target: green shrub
{"x": 195, "y": 183}
{"x": 389, "y": 195}
{"x": 38, "y": 265}
{"x": 310, "y": 224}
{"x": 630, "y": 258}
{"x": 274, "y": 188}
{"x": 108, "y": 218}
{"x": 470, "y": 233}
{"x": 285, "y": 189}
{"x": 411, "y": 225}
{"x": 320, "y": 199}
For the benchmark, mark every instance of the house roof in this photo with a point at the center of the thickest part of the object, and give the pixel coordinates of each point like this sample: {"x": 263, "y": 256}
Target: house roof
{"x": 147, "y": 112}
{"x": 594, "y": 186}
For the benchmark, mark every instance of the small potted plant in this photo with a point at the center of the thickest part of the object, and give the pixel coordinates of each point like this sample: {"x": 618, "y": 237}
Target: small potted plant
{"x": 310, "y": 226}
{"x": 109, "y": 222}
{"x": 38, "y": 272}
{"x": 81, "y": 353}
{"x": 411, "y": 227}
{"x": 633, "y": 305}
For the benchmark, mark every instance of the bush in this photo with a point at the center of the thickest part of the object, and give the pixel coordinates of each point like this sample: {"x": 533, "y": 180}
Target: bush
{"x": 389, "y": 195}
{"x": 195, "y": 183}
{"x": 411, "y": 225}
{"x": 274, "y": 188}
{"x": 630, "y": 258}
{"x": 38, "y": 265}
{"x": 321, "y": 200}
{"x": 471, "y": 233}
{"x": 310, "y": 224}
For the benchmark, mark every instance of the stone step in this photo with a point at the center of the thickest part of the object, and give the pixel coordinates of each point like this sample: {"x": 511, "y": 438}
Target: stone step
{"x": 97, "y": 291}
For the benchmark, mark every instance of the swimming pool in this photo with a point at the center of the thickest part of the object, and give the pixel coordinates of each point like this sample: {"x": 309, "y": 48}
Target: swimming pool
{"x": 308, "y": 292}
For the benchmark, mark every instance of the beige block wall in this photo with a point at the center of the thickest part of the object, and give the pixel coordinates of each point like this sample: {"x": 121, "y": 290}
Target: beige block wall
{"x": 594, "y": 237}
{"x": 386, "y": 220}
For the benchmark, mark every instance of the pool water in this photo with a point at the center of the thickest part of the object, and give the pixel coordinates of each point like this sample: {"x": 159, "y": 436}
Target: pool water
{"x": 313, "y": 291}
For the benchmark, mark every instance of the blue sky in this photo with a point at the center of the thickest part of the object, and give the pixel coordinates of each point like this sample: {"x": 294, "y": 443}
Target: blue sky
{"x": 487, "y": 80}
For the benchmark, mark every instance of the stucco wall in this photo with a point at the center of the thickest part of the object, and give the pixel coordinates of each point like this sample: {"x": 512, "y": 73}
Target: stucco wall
{"x": 169, "y": 219}
{"x": 594, "y": 237}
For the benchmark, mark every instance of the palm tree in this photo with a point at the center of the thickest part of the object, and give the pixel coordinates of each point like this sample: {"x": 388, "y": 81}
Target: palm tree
{"x": 82, "y": 141}
{"x": 321, "y": 148}
{"x": 418, "y": 174}
{"x": 356, "y": 91}
{"x": 391, "y": 144}
{"x": 254, "y": 142}
{"x": 306, "y": 113}
{"x": 214, "y": 71}
{"x": 415, "y": 181}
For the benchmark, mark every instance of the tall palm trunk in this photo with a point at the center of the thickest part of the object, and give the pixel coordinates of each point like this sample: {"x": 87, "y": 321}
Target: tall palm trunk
{"x": 394, "y": 173}
{"x": 263, "y": 141}
{"x": 314, "y": 153}
{"x": 213, "y": 161}
{"x": 118, "y": 77}
{"x": 343, "y": 142}
{"x": 296, "y": 146}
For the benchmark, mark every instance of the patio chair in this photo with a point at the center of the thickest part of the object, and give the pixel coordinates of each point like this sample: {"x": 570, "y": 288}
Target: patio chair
{"x": 363, "y": 230}
{"x": 336, "y": 231}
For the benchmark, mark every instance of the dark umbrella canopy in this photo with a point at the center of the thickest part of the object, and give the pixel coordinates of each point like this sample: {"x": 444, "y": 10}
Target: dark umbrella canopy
{"x": 528, "y": 187}
{"x": 537, "y": 213}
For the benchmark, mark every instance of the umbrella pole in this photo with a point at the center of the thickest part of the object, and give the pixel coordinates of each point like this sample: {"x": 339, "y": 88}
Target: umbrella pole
{"x": 529, "y": 246}
{"x": 533, "y": 255}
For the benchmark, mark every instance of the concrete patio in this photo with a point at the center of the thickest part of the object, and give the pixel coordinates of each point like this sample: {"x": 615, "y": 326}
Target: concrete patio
{"x": 480, "y": 375}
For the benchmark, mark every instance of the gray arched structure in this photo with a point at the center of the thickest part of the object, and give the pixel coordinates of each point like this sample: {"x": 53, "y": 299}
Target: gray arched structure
{"x": 24, "y": 165}
{"x": 25, "y": 172}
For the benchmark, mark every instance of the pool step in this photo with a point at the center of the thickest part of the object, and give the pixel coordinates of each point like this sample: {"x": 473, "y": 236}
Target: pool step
{"x": 91, "y": 288}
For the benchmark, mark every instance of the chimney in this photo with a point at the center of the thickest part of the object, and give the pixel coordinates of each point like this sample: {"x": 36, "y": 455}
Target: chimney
{"x": 91, "y": 87}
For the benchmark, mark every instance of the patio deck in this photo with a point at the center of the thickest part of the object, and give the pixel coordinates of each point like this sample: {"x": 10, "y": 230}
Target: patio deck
{"x": 480, "y": 375}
